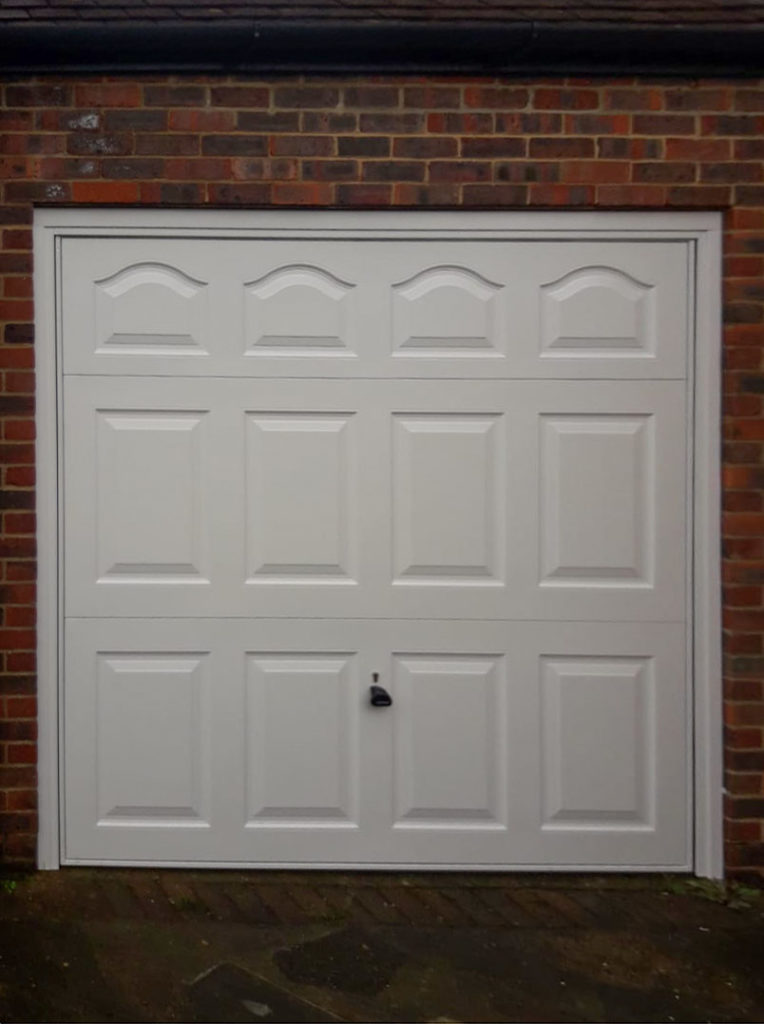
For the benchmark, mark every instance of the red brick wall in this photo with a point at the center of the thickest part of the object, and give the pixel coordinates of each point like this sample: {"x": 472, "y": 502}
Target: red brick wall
{"x": 404, "y": 142}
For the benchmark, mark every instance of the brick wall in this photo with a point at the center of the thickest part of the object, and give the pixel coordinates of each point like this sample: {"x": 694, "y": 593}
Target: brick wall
{"x": 381, "y": 142}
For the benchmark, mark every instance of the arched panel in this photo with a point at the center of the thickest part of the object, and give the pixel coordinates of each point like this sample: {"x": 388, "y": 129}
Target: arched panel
{"x": 445, "y": 311}
{"x": 596, "y": 311}
{"x": 151, "y": 308}
{"x": 298, "y": 310}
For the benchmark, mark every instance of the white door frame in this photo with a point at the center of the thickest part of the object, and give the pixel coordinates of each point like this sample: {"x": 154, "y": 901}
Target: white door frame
{"x": 701, "y": 230}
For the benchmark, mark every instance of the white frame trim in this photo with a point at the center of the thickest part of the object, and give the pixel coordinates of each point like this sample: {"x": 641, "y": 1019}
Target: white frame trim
{"x": 701, "y": 229}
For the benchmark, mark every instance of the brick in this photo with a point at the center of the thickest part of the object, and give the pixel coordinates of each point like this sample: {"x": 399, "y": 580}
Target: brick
{"x": 731, "y": 172}
{"x": 663, "y": 124}
{"x": 371, "y": 96}
{"x": 715, "y": 196}
{"x": 25, "y": 730}
{"x": 302, "y": 145}
{"x": 633, "y": 99}
{"x": 596, "y": 124}
{"x": 37, "y": 191}
{"x": 18, "y": 288}
{"x": 377, "y": 195}
{"x": 139, "y": 167}
{"x": 566, "y": 99}
{"x": 167, "y": 145}
{"x": 300, "y": 96}
{"x": 329, "y": 170}
{"x": 28, "y": 145}
{"x": 749, "y": 99}
{"x": 394, "y": 124}
{"x": 121, "y": 94}
{"x": 432, "y": 97}
{"x": 526, "y": 124}
{"x": 749, "y": 195}
{"x": 235, "y": 195}
{"x": 260, "y": 121}
{"x": 205, "y": 169}
{"x": 183, "y": 193}
{"x": 133, "y": 121}
{"x": 105, "y": 192}
{"x": 205, "y": 121}
{"x": 19, "y": 753}
{"x": 15, "y": 214}
{"x": 547, "y": 194}
{"x": 663, "y": 171}
{"x": 392, "y": 170}
{"x": 735, "y": 714}
{"x": 323, "y": 121}
{"x": 175, "y": 95}
{"x": 459, "y": 171}
{"x": 369, "y": 145}
{"x": 440, "y": 194}
{"x": 17, "y": 238}
{"x": 746, "y": 807}
{"x": 560, "y": 148}
{"x": 732, "y": 124}
{"x": 499, "y": 97}
{"x": 698, "y": 99}
{"x": 595, "y": 171}
{"x": 71, "y": 167}
{"x": 498, "y": 195}
{"x": 460, "y": 124}
{"x": 234, "y": 145}
{"x": 22, "y": 800}
{"x": 38, "y": 96}
{"x": 493, "y": 146}
{"x": 620, "y": 148}
{"x": 239, "y": 96}
{"x": 18, "y": 334}
{"x": 87, "y": 144}
{"x": 749, "y": 149}
{"x": 527, "y": 171}
{"x": 424, "y": 148}
{"x": 631, "y": 195}
{"x": 16, "y": 120}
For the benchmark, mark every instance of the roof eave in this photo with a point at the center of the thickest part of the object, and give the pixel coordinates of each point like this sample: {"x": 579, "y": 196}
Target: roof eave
{"x": 275, "y": 46}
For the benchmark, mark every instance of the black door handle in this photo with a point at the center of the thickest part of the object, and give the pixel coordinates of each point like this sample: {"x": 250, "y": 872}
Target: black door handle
{"x": 380, "y": 698}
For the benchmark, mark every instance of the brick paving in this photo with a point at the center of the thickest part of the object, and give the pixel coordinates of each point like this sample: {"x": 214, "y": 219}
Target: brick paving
{"x": 443, "y": 900}
{"x": 147, "y": 945}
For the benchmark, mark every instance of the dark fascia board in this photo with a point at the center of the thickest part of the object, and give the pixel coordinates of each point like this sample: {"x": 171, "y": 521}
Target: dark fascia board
{"x": 289, "y": 47}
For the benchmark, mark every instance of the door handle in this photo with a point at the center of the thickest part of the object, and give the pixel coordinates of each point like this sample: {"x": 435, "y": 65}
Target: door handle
{"x": 380, "y": 698}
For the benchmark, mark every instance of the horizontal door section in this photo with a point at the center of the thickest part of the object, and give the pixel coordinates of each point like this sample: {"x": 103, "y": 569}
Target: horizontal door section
{"x": 379, "y": 499}
{"x": 256, "y": 743}
{"x": 455, "y": 307}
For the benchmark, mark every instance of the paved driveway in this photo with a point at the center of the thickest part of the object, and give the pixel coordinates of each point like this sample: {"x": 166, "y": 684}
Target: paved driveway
{"x": 103, "y": 945}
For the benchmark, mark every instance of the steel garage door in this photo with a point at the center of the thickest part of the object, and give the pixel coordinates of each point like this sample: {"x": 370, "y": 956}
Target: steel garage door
{"x": 293, "y": 466}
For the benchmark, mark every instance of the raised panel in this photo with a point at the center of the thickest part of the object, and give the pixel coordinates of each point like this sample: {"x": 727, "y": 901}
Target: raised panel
{"x": 449, "y": 741}
{"x": 596, "y": 500}
{"x": 150, "y": 521}
{"x": 152, "y": 762}
{"x": 151, "y": 308}
{"x": 448, "y": 499}
{"x": 301, "y": 495}
{"x": 597, "y": 311}
{"x": 298, "y": 310}
{"x": 301, "y": 740}
{"x": 446, "y": 310}
{"x": 598, "y": 748}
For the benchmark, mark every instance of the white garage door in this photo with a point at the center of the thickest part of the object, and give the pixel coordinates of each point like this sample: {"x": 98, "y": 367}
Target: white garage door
{"x": 454, "y": 468}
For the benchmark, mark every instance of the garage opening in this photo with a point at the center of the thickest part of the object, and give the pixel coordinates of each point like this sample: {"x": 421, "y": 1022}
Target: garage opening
{"x": 452, "y": 457}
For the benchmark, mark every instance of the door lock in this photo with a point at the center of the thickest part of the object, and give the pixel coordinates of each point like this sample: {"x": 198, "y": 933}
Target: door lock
{"x": 379, "y": 698}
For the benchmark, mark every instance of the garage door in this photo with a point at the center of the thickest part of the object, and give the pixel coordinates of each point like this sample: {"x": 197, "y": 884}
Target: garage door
{"x": 296, "y": 468}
